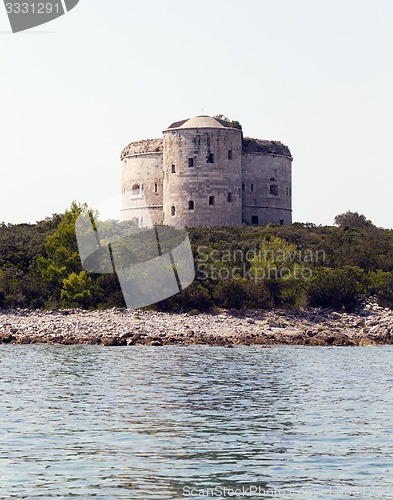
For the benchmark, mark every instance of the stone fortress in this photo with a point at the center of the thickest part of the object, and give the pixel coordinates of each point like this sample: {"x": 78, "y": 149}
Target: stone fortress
{"x": 203, "y": 172}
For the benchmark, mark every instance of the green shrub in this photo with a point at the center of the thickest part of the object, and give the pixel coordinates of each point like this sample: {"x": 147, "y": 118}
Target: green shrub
{"x": 336, "y": 288}
{"x": 240, "y": 293}
{"x": 381, "y": 286}
{"x": 193, "y": 297}
{"x": 76, "y": 291}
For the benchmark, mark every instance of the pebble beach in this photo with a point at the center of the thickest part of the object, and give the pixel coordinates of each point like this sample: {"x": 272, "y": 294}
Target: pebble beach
{"x": 370, "y": 325}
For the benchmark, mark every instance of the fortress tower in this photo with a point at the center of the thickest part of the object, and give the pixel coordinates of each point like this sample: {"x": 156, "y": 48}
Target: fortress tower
{"x": 204, "y": 173}
{"x": 266, "y": 182}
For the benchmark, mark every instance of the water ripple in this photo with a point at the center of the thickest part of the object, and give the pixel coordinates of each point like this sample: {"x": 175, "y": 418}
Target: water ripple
{"x": 147, "y": 423}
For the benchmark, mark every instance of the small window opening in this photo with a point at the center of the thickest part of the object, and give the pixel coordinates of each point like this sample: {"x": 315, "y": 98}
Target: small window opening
{"x": 252, "y": 187}
{"x": 155, "y": 187}
{"x": 229, "y": 197}
{"x": 191, "y": 205}
{"x": 136, "y": 190}
{"x": 211, "y": 200}
{"x": 173, "y": 210}
{"x": 230, "y": 155}
{"x": 190, "y": 162}
{"x": 274, "y": 189}
{"x": 210, "y": 158}
{"x": 287, "y": 191}
{"x": 254, "y": 219}
{"x": 243, "y": 187}
{"x": 173, "y": 169}
{"x": 281, "y": 222}
{"x": 135, "y": 221}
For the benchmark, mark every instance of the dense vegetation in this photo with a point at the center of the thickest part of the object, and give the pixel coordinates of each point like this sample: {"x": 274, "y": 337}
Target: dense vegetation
{"x": 236, "y": 267}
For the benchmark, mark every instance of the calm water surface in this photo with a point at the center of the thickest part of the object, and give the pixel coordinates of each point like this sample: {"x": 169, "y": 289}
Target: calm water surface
{"x": 169, "y": 423}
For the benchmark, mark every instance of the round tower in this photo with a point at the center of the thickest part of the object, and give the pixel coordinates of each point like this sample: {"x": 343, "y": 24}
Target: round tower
{"x": 266, "y": 182}
{"x": 142, "y": 183}
{"x": 202, "y": 163}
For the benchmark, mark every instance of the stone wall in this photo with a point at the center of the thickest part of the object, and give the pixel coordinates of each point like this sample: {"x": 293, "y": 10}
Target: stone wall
{"x": 202, "y": 177}
{"x": 204, "y": 173}
{"x": 142, "y": 188}
{"x": 266, "y": 188}
{"x": 145, "y": 146}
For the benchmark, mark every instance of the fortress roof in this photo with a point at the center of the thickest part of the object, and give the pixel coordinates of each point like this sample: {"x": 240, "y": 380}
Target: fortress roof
{"x": 202, "y": 121}
{"x": 251, "y": 145}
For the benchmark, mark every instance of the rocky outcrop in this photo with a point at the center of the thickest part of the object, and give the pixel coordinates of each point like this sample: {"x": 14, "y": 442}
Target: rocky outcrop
{"x": 371, "y": 325}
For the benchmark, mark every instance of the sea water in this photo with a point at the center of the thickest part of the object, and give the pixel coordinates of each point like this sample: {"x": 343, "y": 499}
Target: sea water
{"x": 196, "y": 422}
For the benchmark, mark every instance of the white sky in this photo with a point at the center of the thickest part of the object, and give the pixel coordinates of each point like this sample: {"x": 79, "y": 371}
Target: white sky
{"x": 315, "y": 74}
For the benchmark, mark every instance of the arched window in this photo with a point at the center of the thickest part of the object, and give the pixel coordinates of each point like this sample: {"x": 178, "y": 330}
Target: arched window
{"x": 173, "y": 210}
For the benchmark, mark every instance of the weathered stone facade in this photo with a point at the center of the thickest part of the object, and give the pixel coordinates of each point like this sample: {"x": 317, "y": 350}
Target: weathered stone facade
{"x": 204, "y": 173}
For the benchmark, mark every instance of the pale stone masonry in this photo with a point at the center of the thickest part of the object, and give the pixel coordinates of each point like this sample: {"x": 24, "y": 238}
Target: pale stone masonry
{"x": 204, "y": 173}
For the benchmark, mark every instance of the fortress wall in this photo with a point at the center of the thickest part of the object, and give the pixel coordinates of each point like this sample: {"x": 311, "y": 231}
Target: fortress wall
{"x": 208, "y": 186}
{"x": 139, "y": 147}
{"x": 202, "y": 179}
{"x": 142, "y": 188}
{"x": 266, "y": 188}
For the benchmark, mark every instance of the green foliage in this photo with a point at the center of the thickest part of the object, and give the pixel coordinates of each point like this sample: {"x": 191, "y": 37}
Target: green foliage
{"x": 193, "y": 297}
{"x": 20, "y": 281}
{"x": 285, "y": 258}
{"x": 275, "y": 259}
{"x": 107, "y": 292}
{"x": 11, "y": 287}
{"x": 241, "y": 293}
{"x": 228, "y": 122}
{"x": 236, "y": 267}
{"x": 337, "y": 288}
{"x": 61, "y": 248}
{"x": 381, "y": 286}
{"x": 352, "y": 219}
{"x": 76, "y": 291}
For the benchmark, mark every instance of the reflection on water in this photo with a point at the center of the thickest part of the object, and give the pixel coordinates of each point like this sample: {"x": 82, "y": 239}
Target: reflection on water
{"x": 146, "y": 422}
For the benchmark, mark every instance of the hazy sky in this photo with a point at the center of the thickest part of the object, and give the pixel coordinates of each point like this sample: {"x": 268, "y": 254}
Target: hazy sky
{"x": 316, "y": 75}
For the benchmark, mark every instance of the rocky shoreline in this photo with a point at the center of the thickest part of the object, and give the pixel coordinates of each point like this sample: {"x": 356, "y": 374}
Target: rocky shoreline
{"x": 371, "y": 325}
